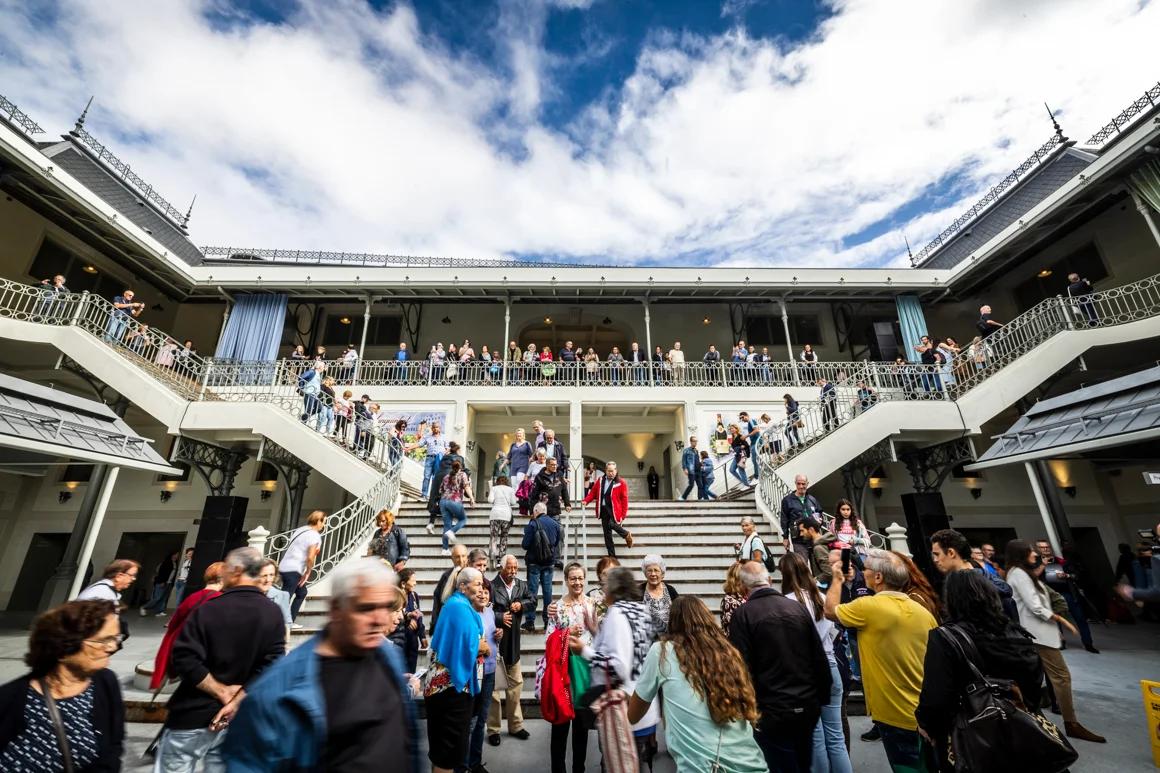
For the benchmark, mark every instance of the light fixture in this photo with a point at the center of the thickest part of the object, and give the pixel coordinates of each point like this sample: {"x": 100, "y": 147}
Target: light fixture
{"x": 1044, "y": 273}
{"x": 166, "y": 495}
{"x": 640, "y": 466}
{"x": 63, "y": 497}
{"x": 344, "y": 320}
{"x": 706, "y": 320}
{"x": 679, "y": 444}
{"x": 1070, "y": 491}
{"x": 89, "y": 269}
{"x": 265, "y": 494}
{"x": 446, "y": 320}
{"x": 606, "y": 321}
{"x": 976, "y": 493}
{"x": 547, "y": 320}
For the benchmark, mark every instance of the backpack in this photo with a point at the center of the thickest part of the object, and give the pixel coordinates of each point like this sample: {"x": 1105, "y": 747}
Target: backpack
{"x": 540, "y": 553}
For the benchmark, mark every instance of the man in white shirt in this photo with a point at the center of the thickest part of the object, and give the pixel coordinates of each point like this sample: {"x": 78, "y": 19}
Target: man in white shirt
{"x": 183, "y": 574}
{"x": 298, "y": 560}
{"x": 677, "y": 358}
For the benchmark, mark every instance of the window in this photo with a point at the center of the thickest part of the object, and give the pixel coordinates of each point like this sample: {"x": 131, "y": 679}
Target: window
{"x": 769, "y": 331}
{"x": 77, "y": 473}
{"x": 383, "y": 331}
{"x": 54, "y": 258}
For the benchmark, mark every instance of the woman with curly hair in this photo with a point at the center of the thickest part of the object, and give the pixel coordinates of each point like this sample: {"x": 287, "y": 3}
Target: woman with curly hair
{"x": 918, "y": 588}
{"x": 734, "y": 594}
{"x": 68, "y": 658}
{"x": 709, "y": 704}
{"x": 848, "y": 528}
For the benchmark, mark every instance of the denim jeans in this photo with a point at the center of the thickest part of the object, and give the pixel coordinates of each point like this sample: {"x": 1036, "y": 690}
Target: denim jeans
{"x": 115, "y": 330}
{"x": 693, "y": 483}
{"x": 179, "y": 589}
{"x": 158, "y": 600}
{"x": 1075, "y": 609}
{"x": 310, "y": 406}
{"x": 829, "y": 740}
{"x": 704, "y": 488}
{"x": 430, "y": 465}
{"x": 325, "y": 423}
{"x": 179, "y": 751}
{"x": 454, "y": 518}
{"x": 290, "y": 582}
{"x": 537, "y": 576}
{"x": 737, "y": 471}
{"x": 479, "y": 721}
{"x": 902, "y": 747}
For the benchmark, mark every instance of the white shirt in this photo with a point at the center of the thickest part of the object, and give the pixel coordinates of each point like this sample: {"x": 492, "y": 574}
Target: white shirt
{"x": 294, "y": 559}
{"x": 183, "y": 572}
{"x": 503, "y": 499}
{"x": 101, "y": 590}
{"x": 752, "y": 542}
{"x": 676, "y": 356}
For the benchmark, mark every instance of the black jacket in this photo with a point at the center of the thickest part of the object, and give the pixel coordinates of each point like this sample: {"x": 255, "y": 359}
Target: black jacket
{"x": 501, "y": 601}
{"x": 779, "y": 642}
{"x": 108, "y": 718}
{"x": 437, "y": 480}
{"x": 551, "y": 489}
{"x": 234, "y": 637}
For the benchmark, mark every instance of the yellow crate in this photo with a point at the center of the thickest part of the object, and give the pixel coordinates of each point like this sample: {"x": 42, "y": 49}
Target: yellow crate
{"x": 1151, "y": 692}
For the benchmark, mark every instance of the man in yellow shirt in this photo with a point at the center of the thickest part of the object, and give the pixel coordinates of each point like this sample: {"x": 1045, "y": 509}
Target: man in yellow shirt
{"x": 892, "y": 633}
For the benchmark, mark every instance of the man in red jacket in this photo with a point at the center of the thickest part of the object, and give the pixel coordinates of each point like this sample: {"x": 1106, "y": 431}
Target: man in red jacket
{"x": 611, "y": 496}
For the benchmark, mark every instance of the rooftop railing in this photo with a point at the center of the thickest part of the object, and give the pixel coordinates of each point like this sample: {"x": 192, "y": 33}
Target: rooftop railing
{"x": 127, "y": 175}
{"x": 334, "y": 258}
{"x": 18, "y": 117}
{"x": 1128, "y": 116}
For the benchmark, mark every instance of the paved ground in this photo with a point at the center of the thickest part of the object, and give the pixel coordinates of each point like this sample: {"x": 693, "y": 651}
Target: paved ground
{"x": 1106, "y": 687}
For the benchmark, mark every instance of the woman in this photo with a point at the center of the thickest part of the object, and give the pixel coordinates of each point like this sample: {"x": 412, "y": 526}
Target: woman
{"x": 1005, "y": 651}
{"x": 603, "y": 567}
{"x": 266, "y": 579}
{"x": 434, "y": 495}
{"x": 547, "y": 366}
{"x": 709, "y": 703}
{"x": 452, "y": 682}
{"x": 740, "y": 448}
{"x": 390, "y": 541}
{"x": 1024, "y": 567}
{"x": 539, "y": 462}
{"x": 918, "y": 587}
{"x": 829, "y": 739}
{"x": 618, "y": 651}
{"x": 576, "y": 613}
{"x": 415, "y": 637}
{"x": 166, "y": 353}
{"x": 213, "y": 587}
{"x": 591, "y": 365}
{"x": 519, "y": 456}
{"x": 530, "y": 359}
{"x": 503, "y": 502}
{"x": 752, "y": 547}
{"x": 792, "y": 420}
{"x": 68, "y": 659}
{"x": 657, "y": 595}
{"x": 490, "y": 370}
{"x": 326, "y": 407}
{"x": 947, "y": 365}
{"x": 453, "y": 489}
{"x": 848, "y": 529}
{"x": 734, "y": 595}
{"x": 343, "y": 412}
{"x": 707, "y": 477}
{"x": 809, "y": 360}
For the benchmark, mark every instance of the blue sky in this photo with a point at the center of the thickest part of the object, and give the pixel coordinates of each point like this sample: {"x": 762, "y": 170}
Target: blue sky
{"x": 743, "y": 132}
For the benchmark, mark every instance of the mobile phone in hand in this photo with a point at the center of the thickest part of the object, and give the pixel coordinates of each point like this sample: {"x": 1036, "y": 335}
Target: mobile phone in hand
{"x": 845, "y": 561}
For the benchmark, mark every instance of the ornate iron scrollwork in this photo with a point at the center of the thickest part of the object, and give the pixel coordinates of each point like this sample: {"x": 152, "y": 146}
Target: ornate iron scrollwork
{"x": 218, "y": 466}
{"x": 929, "y": 467}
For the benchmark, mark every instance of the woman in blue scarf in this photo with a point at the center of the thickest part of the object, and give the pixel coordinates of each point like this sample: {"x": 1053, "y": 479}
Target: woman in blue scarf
{"x": 457, "y": 647}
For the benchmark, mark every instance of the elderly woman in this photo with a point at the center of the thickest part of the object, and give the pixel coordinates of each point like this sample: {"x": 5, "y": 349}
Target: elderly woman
{"x": 599, "y": 604}
{"x": 575, "y": 613}
{"x": 539, "y": 462}
{"x": 68, "y": 659}
{"x": 752, "y": 548}
{"x": 213, "y": 587}
{"x": 657, "y": 595}
{"x": 452, "y": 682}
{"x": 390, "y": 541}
{"x": 734, "y": 594}
{"x": 266, "y": 579}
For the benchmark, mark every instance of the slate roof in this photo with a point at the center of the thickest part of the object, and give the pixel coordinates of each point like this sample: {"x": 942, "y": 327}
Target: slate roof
{"x": 1097, "y": 416}
{"x": 1029, "y": 192}
{"x": 30, "y": 412}
{"x": 104, "y": 184}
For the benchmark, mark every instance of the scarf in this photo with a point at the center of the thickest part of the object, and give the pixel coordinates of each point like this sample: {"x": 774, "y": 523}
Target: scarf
{"x": 456, "y": 642}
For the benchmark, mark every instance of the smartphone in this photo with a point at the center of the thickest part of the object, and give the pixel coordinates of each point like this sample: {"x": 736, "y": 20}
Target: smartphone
{"x": 845, "y": 561}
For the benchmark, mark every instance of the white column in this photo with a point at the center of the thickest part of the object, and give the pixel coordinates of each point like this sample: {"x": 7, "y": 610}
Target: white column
{"x": 1044, "y": 509}
{"x": 785, "y": 326}
{"x": 576, "y": 485}
{"x": 648, "y": 342}
{"x": 1146, "y": 211}
{"x": 507, "y": 323}
{"x": 94, "y": 530}
{"x": 362, "y": 344}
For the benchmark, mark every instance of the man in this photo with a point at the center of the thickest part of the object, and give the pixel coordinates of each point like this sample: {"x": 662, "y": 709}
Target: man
{"x": 1143, "y": 595}
{"x": 819, "y": 540}
{"x": 1063, "y": 582}
{"x": 183, "y": 575}
{"x": 796, "y": 505}
{"x": 298, "y": 560}
{"x": 930, "y": 357}
{"x": 115, "y": 580}
{"x": 949, "y": 550}
{"x": 163, "y": 580}
{"x": 459, "y": 559}
{"x": 777, "y": 639}
{"x": 54, "y": 291}
{"x": 1081, "y": 291}
{"x": 539, "y": 433}
{"x": 610, "y": 493}
{"x": 989, "y": 559}
{"x": 751, "y": 429}
{"x": 712, "y": 357}
{"x": 551, "y": 489}
{"x": 691, "y": 464}
{"x": 436, "y": 446}
{"x": 223, "y": 645}
{"x": 985, "y": 325}
{"x": 340, "y": 701}
{"x": 123, "y": 307}
{"x": 892, "y": 633}
{"x": 567, "y": 354}
{"x": 364, "y": 437}
{"x": 541, "y": 555}
{"x": 828, "y": 395}
{"x": 639, "y": 362}
{"x": 477, "y": 560}
{"x": 553, "y": 449}
{"x": 677, "y": 358}
{"x": 510, "y": 598}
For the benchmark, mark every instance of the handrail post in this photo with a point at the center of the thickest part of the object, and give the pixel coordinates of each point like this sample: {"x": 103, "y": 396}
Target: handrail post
{"x": 205, "y": 377}
{"x": 1065, "y": 310}
{"x": 79, "y": 310}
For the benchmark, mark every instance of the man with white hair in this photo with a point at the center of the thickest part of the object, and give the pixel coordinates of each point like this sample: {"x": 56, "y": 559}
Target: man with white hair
{"x": 791, "y": 676}
{"x": 892, "y": 635}
{"x": 510, "y": 599}
{"x": 795, "y": 506}
{"x": 986, "y": 325}
{"x": 341, "y": 700}
{"x": 220, "y": 649}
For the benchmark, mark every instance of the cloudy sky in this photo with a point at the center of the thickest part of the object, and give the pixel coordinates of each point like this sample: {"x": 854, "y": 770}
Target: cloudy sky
{"x": 757, "y": 132}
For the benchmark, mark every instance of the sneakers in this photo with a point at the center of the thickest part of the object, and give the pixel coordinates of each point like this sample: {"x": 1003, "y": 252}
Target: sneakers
{"x": 161, "y": 613}
{"x": 445, "y": 552}
{"x": 430, "y": 528}
{"x": 296, "y": 626}
{"x": 450, "y": 536}
{"x": 142, "y": 611}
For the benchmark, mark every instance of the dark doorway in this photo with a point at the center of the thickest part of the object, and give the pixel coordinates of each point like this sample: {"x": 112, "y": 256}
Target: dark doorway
{"x": 44, "y": 554}
{"x": 996, "y": 537}
{"x": 148, "y": 548}
{"x": 1094, "y": 572}
{"x": 667, "y": 475}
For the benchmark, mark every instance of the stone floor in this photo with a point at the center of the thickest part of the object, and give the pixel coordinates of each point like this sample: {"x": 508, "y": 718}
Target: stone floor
{"x": 1106, "y": 688}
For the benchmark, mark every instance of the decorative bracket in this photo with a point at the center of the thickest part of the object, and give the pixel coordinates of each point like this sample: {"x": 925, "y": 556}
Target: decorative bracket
{"x": 929, "y": 467}
{"x": 218, "y": 466}
{"x": 294, "y": 474}
{"x": 857, "y": 472}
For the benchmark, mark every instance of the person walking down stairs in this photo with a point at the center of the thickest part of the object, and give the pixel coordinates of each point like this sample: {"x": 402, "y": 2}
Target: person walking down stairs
{"x": 610, "y": 493}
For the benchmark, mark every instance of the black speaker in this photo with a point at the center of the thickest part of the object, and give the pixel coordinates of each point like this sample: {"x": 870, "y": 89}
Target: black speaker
{"x": 884, "y": 344}
{"x": 925, "y": 514}
{"x": 222, "y": 520}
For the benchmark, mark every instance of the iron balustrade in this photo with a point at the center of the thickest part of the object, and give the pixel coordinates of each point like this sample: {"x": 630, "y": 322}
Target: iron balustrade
{"x": 126, "y": 173}
{"x": 218, "y": 254}
{"x": 19, "y": 118}
{"x": 1127, "y": 116}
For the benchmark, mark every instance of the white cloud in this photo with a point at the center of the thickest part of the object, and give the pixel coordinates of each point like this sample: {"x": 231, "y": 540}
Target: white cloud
{"x": 351, "y": 129}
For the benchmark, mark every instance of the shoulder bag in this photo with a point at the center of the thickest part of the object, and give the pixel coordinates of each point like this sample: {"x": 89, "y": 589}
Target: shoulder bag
{"x": 617, "y": 743}
{"x": 58, "y": 726}
{"x": 990, "y": 732}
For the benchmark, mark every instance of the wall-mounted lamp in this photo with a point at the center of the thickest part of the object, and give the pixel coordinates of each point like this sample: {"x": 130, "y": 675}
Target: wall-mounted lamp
{"x": 63, "y": 497}
{"x": 446, "y": 320}
{"x": 547, "y": 320}
{"x": 265, "y": 494}
{"x": 640, "y": 466}
{"x": 1044, "y": 273}
{"x": 471, "y": 446}
{"x": 679, "y": 444}
{"x": 1070, "y": 491}
{"x": 706, "y": 320}
{"x": 166, "y": 495}
{"x": 89, "y": 269}
{"x": 976, "y": 493}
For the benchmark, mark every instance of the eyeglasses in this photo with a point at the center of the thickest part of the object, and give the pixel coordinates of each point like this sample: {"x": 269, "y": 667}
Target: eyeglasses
{"x": 370, "y": 609}
{"x": 132, "y": 575}
{"x": 107, "y": 642}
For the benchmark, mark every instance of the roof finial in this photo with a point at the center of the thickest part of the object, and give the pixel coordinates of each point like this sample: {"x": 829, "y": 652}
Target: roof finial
{"x": 80, "y": 125}
{"x": 1058, "y": 131}
{"x": 189, "y": 212}
{"x": 909, "y": 254}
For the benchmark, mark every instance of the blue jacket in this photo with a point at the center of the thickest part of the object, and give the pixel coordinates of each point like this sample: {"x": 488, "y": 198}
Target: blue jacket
{"x": 281, "y": 725}
{"x": 690, "y": 460}
{"x": 551, "y": 529}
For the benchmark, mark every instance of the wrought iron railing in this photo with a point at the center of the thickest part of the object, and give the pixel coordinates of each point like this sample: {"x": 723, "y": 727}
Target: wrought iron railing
{"x": 215, "y": 254}
{"x": 875, "y": 382}
{"x": 1126, "y": 117}
{"x": 18, "y": 117}
{"x": 126, "y": 173}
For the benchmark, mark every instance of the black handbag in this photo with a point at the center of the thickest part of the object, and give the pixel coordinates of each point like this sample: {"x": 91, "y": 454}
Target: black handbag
{"x": 991, "y": 733}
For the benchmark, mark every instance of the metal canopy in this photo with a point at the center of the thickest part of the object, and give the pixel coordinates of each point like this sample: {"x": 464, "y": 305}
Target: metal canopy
{"x": 43, "y": 422}
{"x": 1115, "y": 413}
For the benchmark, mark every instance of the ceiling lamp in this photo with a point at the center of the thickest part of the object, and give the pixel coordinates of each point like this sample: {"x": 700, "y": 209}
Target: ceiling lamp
{"x": 1044, "y": 273}
{"x": 89, "y": 269}
{"x": 344, "y": 320}
{"x": 706, "y": 320}
{"x": 547, "y": 320}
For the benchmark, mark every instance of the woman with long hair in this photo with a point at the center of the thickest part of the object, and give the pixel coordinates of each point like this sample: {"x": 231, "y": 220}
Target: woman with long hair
{"x": 453, "y": 490}
{"x": 709, "y": 703}
{"x": 734, "y": 594}
{"x": 848, "y": 529}
{"x": 829, "y": 739}
{"x": 740, "y": 448}
{"x": 918, "y": 588}
{"x": 575, "y": 613}
{"x": 1024, "y": 567}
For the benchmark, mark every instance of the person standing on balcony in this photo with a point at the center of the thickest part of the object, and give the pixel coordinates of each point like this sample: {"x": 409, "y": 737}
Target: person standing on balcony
{"x": 435, "y": 446}
{"x": 653, "y": 479}
{"x": 401, "y": 357}
{"x": 568, "y": 356}
{"x": 795, "y": 506}
{"x": 931, "y": 360}
{"x": 828, "y": 395}
{"x": 615, "y": 365}
{"x": 809, "y": 359}
{"x": 349, "y": 363}
{"x": 610, "y": 493}
{"x": 591, "y": 365}
{"x": 691, "y": 464}
{"x": 712, "y": 360}
{"x": 660, "y": 363}
{"x": 124, "y": 307}
{"x": 677, "y": 358}
{"x": 639, "y": 362}
{"x": 985, "y": 325}
{"x": 299, "y": 558}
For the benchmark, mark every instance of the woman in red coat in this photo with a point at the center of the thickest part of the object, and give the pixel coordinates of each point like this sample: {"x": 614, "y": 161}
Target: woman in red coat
{"x": 213, "y": 587}
{"x": 611, "y": 496}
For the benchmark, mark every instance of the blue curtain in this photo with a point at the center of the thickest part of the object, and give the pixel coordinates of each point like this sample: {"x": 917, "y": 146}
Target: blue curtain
{"x": 912, "y": 322}
{"x": 254, "y": 328}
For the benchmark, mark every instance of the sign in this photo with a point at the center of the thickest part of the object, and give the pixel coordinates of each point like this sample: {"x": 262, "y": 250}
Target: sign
{"x": 1152, "y": 478}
